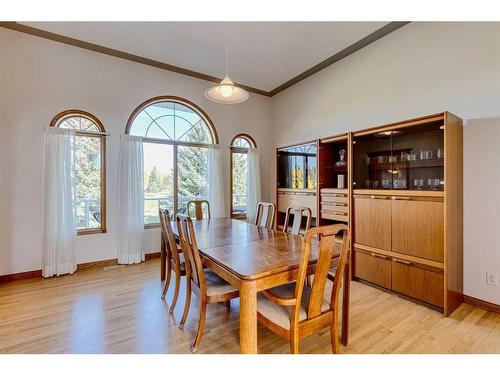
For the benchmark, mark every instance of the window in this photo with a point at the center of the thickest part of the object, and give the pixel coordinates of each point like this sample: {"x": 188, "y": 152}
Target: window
{"x": 176, "y": 135}
{"x": 239, "y": 148}
{"x": 90, "y": 169}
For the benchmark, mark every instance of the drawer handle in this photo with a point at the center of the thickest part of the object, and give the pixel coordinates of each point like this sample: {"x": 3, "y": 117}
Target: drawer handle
{"x": 339, "y": 195}
{"x": 401, "y": 198}
{"x": 378, "y": 197}
{"x": 402, "y": 261}
{"x": 340, "y": 213}
{"x": 378, "y": 256}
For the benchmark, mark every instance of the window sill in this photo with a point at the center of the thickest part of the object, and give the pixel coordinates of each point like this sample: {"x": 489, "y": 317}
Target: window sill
{"x": 150, "y": 226}
{"x": 83, "y": 232}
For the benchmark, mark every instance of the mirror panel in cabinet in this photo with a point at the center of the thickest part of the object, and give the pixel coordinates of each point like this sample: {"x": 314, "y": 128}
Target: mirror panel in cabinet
{"x": 297, "y": 167}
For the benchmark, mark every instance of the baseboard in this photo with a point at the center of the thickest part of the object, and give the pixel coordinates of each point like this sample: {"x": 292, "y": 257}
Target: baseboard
{"x": 20, "y": 276}
{"x": 80, "y": 267}
{"x": 490, "y": 306}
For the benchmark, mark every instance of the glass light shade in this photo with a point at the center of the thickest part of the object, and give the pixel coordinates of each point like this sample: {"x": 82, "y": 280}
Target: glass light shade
{"x": 227, "y": 93}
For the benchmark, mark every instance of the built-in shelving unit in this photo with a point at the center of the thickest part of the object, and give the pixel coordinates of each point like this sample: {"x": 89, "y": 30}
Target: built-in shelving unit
{"x": 399, "y": 188}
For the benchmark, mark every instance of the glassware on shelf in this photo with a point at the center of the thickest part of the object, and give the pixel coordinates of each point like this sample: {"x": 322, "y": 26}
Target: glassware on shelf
{"x": 412, "y": 156}
{"x": 439, "y": 153}
{"x": 382, "y": 159}
{"x": 368, "y": 183}
{"x": 386, "y": 183}
{"x": 418, "y": 183}
{"x": 393, "y": 159}
{"x": 404, "y": 156}
{"x": 367, "y": 160}
{"x": 399, "y": 183}
{"x": 375, "y": 184}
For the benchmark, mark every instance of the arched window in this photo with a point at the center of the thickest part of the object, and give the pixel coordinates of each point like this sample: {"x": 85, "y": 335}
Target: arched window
{"x": 90, "y": 168}
{"x": 239, "y": 149}
{"x": 176, "y": 136}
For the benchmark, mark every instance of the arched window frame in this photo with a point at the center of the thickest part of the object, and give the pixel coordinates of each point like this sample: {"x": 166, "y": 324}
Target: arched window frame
{"x": 175, "y": 143}
{"x": 56, "y": 122}
{"x": 238, "y": 150}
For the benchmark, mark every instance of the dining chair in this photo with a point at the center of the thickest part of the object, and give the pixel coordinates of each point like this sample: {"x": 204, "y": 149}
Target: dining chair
{"x": 265, "y": 214}
{"x": 294, "y": 310}
{"x": 206, "y": 284}
{"x": 198, "y": 208}
{"x": 174, "y": 257}
{"x": 298, "y": 213}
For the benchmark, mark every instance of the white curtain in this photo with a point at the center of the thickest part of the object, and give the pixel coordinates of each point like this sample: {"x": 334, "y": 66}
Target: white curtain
{"x": 59, "y": 218}
{"x": 253, "y": 184}
{"x": 216, "y": 195}
{"x": 130, "y": 201}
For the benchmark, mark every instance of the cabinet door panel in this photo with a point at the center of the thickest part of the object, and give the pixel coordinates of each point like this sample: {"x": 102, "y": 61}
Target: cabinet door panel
{"x": 417, "y": 282}
{"x": 418, "y": 228}
{"x": 372, "y": 222}
{"x": 373, "y": 268}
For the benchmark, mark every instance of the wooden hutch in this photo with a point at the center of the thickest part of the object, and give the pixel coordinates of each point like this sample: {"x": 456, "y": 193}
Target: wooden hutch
{"x": 399, "y": 188}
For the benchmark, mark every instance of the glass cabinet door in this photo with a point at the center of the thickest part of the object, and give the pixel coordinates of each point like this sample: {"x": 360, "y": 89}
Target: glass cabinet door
{"x": 372, "y": 167}
{"x": 418, "y": 157}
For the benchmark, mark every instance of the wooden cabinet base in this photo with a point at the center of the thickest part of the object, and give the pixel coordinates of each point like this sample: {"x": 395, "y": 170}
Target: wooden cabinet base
{"x": 372, "y": 267}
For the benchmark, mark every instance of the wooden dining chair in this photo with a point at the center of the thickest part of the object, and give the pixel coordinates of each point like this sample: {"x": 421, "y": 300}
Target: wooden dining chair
{"x": 294, "y": 310}
{"x": 264, "y": 216}
{"x": 207, "y": 285}
{"x": 298, "y": 213}
{"x": 174, "y": 257}
{"x": 198, "y": 208}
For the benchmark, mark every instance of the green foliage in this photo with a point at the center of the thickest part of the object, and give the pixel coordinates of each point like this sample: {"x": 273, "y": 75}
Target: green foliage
{"x": 240, "y": 172}
{"x": 87, "y": 168}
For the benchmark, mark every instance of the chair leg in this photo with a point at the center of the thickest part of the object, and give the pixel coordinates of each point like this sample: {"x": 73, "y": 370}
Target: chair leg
{"x": 187, "y": 303}
{"x": 201, "y": 327}
{"x": 167, "y": 282}
{"x": 176, "y": 291}
{"x": 334, "y": 334}
{"x": 294, "y": 342}
{"x": 227, "y": 305}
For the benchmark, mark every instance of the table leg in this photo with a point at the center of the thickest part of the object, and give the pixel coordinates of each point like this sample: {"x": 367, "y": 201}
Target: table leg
{"x": 163, "y": 258}
{"x": 345, "y": 304}
{"x": 248, "y": 317}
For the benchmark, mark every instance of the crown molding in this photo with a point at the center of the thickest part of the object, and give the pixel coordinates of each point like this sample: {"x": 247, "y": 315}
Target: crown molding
{"x": 376, "y": 35}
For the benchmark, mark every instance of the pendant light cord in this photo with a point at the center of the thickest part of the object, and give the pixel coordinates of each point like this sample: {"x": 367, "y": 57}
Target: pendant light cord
{"x": 226, "y": 62}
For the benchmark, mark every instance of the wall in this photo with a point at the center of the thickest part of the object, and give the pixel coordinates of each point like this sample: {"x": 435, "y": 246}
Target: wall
{"x": 40, "y": 78}
{"x": 420, "y": 69}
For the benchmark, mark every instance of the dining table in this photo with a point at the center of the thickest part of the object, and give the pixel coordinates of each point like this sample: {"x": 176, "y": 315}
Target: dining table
{"x": 253, "y": 259}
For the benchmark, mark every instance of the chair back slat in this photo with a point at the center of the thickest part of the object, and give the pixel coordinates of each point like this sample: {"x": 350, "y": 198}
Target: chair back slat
{"x": 192, "y": 259}
{"x": 298, "y": 213}
{"x": 198, "y": 208}
{"x": 326, "y": 249}
{"x": 168, "y": 236}
{"x": 265, "y": 215}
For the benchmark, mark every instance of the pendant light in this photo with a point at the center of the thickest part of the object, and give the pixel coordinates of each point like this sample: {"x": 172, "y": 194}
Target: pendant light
{"x": 226, "y": 92}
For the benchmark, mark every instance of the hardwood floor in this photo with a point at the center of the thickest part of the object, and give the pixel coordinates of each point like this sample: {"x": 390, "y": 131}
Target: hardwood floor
{"x": 118, "y": 310}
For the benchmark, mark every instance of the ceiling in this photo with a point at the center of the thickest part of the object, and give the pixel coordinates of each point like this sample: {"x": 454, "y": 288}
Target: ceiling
{"x": 262, "y": 55}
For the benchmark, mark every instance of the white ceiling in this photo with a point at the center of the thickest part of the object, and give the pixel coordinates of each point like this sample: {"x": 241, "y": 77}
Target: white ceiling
{"x": 263, "y": 55}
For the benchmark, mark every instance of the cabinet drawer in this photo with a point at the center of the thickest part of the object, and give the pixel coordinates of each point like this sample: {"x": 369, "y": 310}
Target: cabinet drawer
{"x": 338, "y": 198}
{"x": 372, "y": 267}
{"x": 297, "y": 199}
{"x": 418, "y": 281}
{"x": 339, "y": 216}
{"x": 334, "y": 207}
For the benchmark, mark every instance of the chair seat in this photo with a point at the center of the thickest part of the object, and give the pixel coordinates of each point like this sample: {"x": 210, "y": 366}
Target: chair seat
{"x": 216, "y": 285}
{"x": 279, "y": 314}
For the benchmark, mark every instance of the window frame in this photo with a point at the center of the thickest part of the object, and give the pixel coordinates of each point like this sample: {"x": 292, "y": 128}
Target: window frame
{"x": 237, "y": 150}
{"x": 56, "y": 121}
{"x": 175, "y": 143}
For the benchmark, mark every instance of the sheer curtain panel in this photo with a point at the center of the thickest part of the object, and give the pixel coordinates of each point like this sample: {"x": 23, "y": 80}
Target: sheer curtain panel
{"x": 130, "y": 201}
{"x": 216, "y": 195}
{"x": 253, "y": 184}
{"x": 59, "y": 217}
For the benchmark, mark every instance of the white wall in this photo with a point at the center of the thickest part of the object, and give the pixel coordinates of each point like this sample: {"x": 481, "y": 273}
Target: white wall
{"x": 40, "y": 78}
{"x": 421, "y": 69}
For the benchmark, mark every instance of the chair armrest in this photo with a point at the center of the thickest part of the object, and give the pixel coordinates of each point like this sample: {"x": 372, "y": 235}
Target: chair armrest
{"x": 279, "y": 300}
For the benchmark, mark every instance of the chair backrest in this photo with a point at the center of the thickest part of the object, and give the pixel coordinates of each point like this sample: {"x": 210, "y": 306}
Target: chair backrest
{"x": 264, "y": 216}
{"x": 168, "y": 236}
{"x": 187, "y": 238}
{"x": 326, "y": 249}
{"x": 298, "y": 213}
{"x": 198, "y": 208}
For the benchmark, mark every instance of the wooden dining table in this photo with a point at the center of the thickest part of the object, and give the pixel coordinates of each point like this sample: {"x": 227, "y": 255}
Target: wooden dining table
{"x": 254, "y": 259}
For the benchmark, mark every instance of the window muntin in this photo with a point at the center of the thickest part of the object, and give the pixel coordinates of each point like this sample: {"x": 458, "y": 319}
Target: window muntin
{"x": 181, "y": 132}
{"x": 239, "y": 173}
{"x": 89, "y": 158}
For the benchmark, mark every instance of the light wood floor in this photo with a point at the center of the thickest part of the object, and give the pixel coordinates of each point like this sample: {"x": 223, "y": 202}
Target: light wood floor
{"x": 119, "y": 310}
